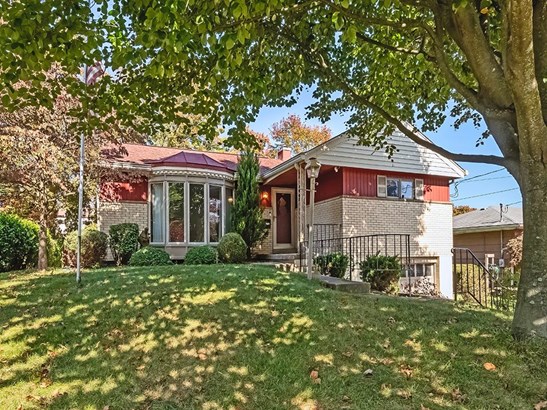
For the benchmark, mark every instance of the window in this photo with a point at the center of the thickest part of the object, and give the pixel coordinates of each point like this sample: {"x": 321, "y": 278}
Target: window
{"x": 197, "y": 213}
{"x": 391, "y": 187}
{"x": 157, "y": 211}
{"x": 187, "y": 212}
{"x": 176, "y": 212}
{"x": 215, "y": 213}
{"x": 407, "y": 189}
{"x": 419, "y": 269}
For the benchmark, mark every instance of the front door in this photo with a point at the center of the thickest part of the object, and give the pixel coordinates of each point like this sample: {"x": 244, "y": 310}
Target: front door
{"x": 283, "y": 214}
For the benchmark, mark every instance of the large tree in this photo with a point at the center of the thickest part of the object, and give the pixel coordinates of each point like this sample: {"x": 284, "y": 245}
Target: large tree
{"x": 385, "y": 64}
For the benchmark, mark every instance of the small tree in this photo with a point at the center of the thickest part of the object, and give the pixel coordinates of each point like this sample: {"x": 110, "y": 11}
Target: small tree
{"x": 247, "y": 213}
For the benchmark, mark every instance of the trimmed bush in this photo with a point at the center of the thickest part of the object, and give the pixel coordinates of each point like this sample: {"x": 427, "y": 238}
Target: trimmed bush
{"x": 232, "y": 248}
{"x": 201, "y": 255}
{"x": 382, "y": 272}
{"x": 334, "y": 264}
{"x": 18, "y": 243}
{"x": 150, "y": 256}
{"x": 94, "y": 247}
{"x": 124, "y": 241}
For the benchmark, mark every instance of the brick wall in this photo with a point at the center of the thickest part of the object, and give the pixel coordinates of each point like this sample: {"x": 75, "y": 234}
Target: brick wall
{"x": 266, "y": 246}
{"x": 428, "y": 224}
{"x": 112, "y": 213}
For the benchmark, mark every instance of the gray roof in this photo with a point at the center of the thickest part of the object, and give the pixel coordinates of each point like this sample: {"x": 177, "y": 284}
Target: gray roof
{"x": 488, "y": 219}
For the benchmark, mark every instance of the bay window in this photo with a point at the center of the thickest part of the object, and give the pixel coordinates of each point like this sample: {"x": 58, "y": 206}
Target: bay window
{"x": 189, "y": 212}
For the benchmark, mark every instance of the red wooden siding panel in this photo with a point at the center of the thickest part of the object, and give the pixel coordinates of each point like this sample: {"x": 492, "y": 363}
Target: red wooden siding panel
{"x": 362, "y": 182}
{"x": 124, "y": 191}
{"x": 329, "y": 185}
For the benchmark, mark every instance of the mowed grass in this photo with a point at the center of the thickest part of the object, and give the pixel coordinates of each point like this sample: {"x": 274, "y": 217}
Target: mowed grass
{"x": 248, "y": 337}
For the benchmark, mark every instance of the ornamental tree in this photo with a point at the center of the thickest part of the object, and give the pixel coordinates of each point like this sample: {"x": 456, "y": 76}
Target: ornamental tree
{"x": 385, "y": 64}
{"x": 246, "y": 212}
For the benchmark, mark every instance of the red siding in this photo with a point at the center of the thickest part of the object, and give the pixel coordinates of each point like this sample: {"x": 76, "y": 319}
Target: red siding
{"x": 329, "y": 185}
{"x": 124, "y": 191}
{"x": 362, "y": 182}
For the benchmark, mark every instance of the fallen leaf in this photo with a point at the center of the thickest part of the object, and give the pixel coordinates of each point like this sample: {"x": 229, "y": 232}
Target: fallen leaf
{"x": 317, "y": 380}
{"x": 368, "y": 372}
{"x": 314, "y": 374}
{"x": 490, "y": 366}
{"x": 541, "y": 405}
{"x": 458, "y": 396}
{"x": 348, "y": 353}
{"x": 406, "y": 370}
{"x": 405, "y": 394}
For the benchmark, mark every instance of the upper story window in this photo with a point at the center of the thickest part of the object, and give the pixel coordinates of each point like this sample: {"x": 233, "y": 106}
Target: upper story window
{"x": 403, "y": 188}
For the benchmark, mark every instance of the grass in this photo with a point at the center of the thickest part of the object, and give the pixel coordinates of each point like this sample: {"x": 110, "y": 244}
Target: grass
{"x": 247, "y": 337}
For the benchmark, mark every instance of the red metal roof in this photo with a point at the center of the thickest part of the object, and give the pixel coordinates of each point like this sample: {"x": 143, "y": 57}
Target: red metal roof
{"x": 175, "y": 157}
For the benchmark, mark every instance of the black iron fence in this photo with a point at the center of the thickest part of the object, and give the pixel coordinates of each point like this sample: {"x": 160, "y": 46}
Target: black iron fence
{"x": 492, "y": 287}
{"x": 358, "y": 248}
{"x": 326, "y": 231}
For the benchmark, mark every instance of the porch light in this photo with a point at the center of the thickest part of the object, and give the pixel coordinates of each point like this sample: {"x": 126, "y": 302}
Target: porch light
{"x": 312, "y": 168}
{"x": 265, "y": 195}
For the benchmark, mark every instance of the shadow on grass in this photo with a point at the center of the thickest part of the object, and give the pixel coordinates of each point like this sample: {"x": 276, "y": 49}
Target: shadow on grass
{"x": 246, "y": 337}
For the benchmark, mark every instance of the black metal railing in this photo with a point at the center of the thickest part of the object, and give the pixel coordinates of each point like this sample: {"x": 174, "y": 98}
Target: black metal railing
{"x": 325, "y": 231}
{"x": 358, "y": 248}
{"x": 473, "y": 282}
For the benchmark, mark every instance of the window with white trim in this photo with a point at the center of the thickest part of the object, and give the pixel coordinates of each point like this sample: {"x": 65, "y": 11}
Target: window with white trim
{"x": 402, "y": 188}
{"x": 188, "y": 212}
{"x": 157, "y": 213}
{"x": 421, "y": 269}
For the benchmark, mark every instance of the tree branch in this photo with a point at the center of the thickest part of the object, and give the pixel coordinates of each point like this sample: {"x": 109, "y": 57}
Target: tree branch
{"x": 410, "y": 131}
{"x": 372, "y": 41}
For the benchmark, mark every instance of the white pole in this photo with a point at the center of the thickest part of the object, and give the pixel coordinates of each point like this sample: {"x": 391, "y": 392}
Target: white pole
{"x": 310, "y": 229}
{"x": 80, "y": 199}
{"x": 80, "y": 206}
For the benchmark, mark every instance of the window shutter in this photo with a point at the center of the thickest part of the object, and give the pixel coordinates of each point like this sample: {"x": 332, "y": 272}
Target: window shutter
{"x": 419, "y": 188}
{"x": 381, "y": 186}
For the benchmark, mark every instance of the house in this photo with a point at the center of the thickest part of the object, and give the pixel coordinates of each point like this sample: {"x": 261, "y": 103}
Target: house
{"x": 486, "y": 232}
{"x": 184, "y": 199}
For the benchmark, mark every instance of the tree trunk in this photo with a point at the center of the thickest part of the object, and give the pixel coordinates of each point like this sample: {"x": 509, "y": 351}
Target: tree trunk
{"x": 42, "y": 245}
{"x": 530, "y": 317}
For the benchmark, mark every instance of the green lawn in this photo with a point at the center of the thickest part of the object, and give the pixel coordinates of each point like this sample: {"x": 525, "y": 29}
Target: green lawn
{"x": 247, "y": 337}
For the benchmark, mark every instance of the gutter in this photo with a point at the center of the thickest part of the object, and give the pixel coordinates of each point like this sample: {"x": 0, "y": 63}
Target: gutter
{"x": 491, "y": 228}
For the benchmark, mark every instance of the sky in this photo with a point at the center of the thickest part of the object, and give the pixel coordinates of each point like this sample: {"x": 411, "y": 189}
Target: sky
{"x": 473, "y": 190}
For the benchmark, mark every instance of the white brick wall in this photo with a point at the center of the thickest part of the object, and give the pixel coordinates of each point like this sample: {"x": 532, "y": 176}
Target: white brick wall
{"x": 266, "y": 246}
{"x": 112, "y": 213}
{"x": 428, "y": 224}
{"x": 328, "y": 211}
